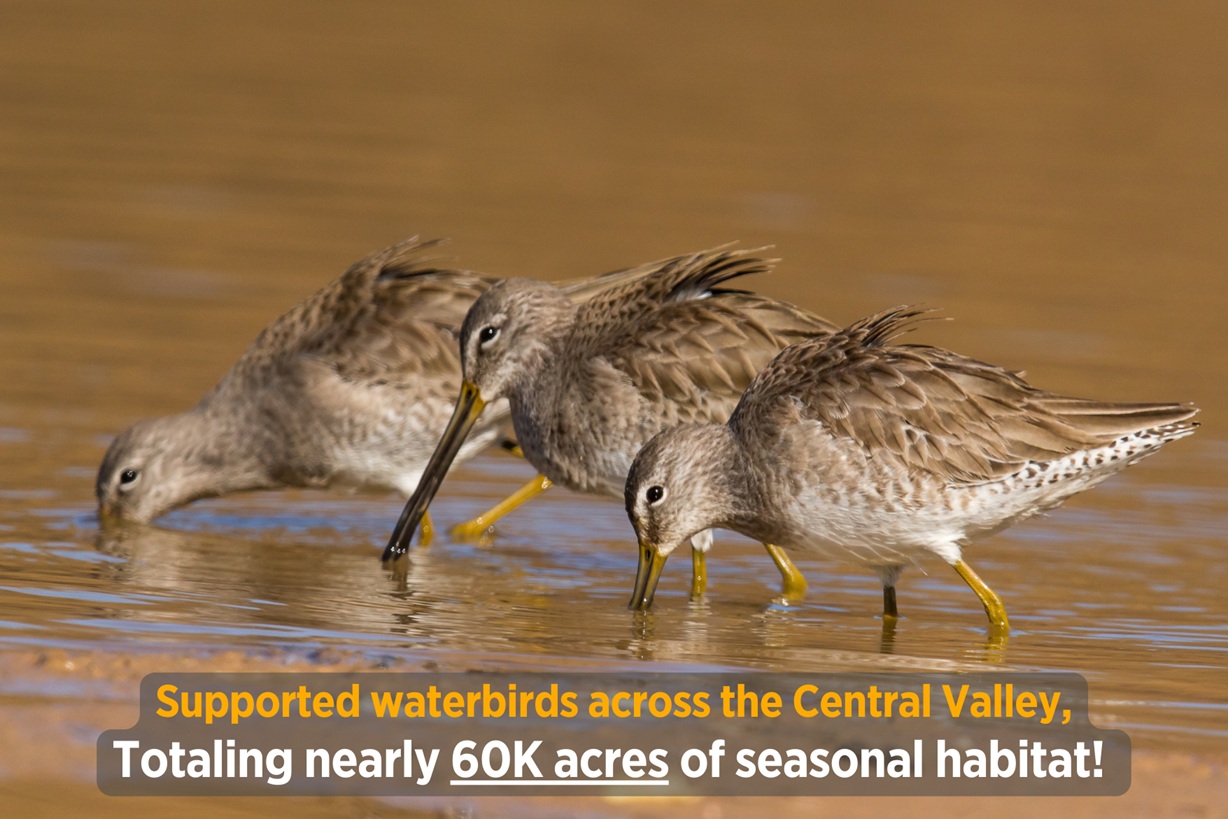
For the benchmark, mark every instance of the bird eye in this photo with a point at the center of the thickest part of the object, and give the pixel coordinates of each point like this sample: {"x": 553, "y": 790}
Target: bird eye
{"x": 655, "y": 494}
{"x": 487, "y": 334}
{"x": 128, "y": 477}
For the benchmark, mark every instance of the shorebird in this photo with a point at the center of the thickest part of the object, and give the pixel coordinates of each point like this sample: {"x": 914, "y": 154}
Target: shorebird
{"x": 855, "y": 447}
{"x": 590, "y": 381}
{"x": 351, "y": 387}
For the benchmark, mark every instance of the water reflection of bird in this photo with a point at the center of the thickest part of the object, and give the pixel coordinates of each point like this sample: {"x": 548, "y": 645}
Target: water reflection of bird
{"x": 206, "y": 588}
{"x": 351, "y": 387}
{"x": 856, "y": 447}
{"x": 590, "y": 382}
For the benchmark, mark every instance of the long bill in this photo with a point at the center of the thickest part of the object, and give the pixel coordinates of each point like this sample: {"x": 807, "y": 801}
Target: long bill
{"x": 647, "y": 575}
{"x": 469, "y": 407}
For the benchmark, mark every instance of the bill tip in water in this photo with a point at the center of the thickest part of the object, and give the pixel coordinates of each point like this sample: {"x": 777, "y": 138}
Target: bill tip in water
{"x": 397, "y": 548}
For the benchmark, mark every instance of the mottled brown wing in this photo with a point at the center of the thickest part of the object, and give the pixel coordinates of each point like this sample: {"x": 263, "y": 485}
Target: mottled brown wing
{"x": 703, "y": 352}
{"x": 392, "y": 317}
{"x": 935, "y": 411}
{"x": 629, "y": 303}
{"x": 581, "y": 290}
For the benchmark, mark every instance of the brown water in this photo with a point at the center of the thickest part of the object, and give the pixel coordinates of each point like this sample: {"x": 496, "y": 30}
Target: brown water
{"x": 172, "y": 176}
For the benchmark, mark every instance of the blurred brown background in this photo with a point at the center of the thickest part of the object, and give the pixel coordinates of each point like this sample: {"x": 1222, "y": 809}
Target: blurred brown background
{"x": 1054, "y": 177}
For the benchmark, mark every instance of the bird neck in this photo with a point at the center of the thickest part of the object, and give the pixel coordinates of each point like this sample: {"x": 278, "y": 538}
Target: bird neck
{"x": 742, "y": 492}
{"x": 223, "y": 452}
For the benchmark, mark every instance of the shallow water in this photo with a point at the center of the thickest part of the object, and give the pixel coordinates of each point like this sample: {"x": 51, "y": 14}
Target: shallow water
{"x": 175, "y": 176}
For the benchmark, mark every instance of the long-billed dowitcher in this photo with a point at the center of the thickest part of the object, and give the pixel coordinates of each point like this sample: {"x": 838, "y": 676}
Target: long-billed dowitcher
{"x": 854, "y": 447}
{"x": 351, "y": 387}
{"x": 591, "y": 380}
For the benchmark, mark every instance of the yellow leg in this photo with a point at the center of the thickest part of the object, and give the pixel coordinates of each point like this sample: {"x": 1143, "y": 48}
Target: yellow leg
{"x": 482, "y": 523}
{"x": 699, "y": 573}
{"x": 426, "y": 530}
{"x": 792, "y": 581}
{"x": 886, "y": 642}
{"x": 993, "y": 604}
